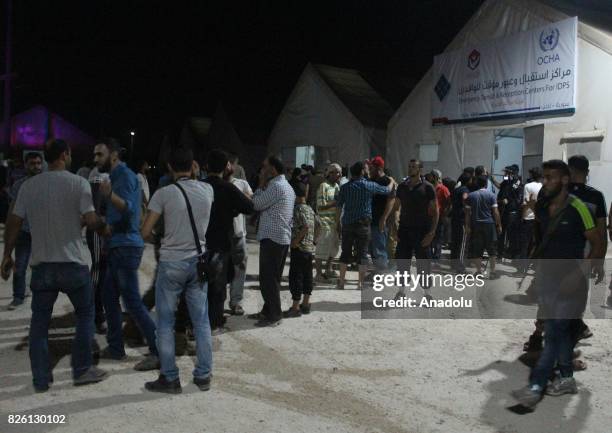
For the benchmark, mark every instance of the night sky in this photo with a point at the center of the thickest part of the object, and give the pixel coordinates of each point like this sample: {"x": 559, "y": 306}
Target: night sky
{"x": 112, "y": 66}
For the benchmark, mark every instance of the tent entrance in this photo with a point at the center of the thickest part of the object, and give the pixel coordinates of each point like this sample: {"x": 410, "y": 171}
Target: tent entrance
{"x": 507, "y": 150}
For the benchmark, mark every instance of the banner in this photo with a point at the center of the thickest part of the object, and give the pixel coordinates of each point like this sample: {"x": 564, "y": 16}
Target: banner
{"x": 531, "y": 73}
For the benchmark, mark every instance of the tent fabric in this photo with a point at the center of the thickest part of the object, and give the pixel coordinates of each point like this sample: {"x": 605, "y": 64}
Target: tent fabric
{"x": 32, "y": 128}
{"x": 336, "y": 111}
{"x": 458, "y": 144}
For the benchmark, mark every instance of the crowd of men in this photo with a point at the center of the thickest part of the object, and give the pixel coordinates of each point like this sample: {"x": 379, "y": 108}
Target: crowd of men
{"x": 198, "y": 227}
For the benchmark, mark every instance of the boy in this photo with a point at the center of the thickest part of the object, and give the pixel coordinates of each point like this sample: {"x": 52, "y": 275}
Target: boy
{"x": 302, "y": 250}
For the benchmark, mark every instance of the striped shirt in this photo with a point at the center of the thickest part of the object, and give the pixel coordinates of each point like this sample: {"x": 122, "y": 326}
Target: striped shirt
{"x": 276, "y": 206}
{"x": 355, "y": 198}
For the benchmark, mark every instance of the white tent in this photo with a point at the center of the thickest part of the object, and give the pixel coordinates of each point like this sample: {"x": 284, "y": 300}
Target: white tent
{"x": 333, "y": 114}
{"x": 410, "y": 132}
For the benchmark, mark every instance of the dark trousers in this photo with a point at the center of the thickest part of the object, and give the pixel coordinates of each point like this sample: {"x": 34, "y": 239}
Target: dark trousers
{"x": 23, "y": 249}
{"x": 510, "y": 239}
{"x": 95, "y": 243}
{"x": 409, "y": 245}
{"x": 458, "y": 244}
{"x": 526, "y": 243}
{"x": 438, "y": 240}
{"x": 272, "y": 257}
{"x": 48, "y": 279}
{"x": 217, "y": 287}
{"x": 300, "y": 274}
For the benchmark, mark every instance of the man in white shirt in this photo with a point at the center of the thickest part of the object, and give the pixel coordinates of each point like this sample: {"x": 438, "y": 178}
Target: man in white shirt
{"x": 239, "y": 253}
{"x": 178, "y": 273}
{"x": 530, "y": 197}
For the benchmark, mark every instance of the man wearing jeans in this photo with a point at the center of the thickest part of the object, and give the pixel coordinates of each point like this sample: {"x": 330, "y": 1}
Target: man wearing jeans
{"x": 380, "y": 202}
{"x": 23, "y": 247}
{"x": 125, "y": 248}
{"x": 55, "y": 204}
{"x": 177, "y": 271}
{"x": 274, "y": 199}
{"x": 563, "y": 226}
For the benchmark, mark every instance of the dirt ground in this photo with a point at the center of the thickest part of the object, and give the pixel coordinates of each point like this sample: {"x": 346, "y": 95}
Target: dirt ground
{"x": 330, "y": 371}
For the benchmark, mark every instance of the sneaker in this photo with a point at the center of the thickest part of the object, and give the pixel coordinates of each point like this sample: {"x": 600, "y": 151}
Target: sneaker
{"x": 203, "y": 383}
{"x": 527, "y": 396}
{"x": 164, "y": 385}
{"x": 331, "y": 275}
{"x": 305, "y": 309}
{"x": 16, "y": 303}
{"x": 237, "y": 310}
{"x": 106, "y": 353}
{"x": 586, "y": 333}
{"x": 291, "y": 313}
{"x": 562, "y": 385}
{"x": 257, "y": 316}
{"x": 218, "y": 331}
{"x": 151, "y": 362}
{"x": 92, "y": 375}
{"x": 264, "y": 323}
{"x": 41, "y": 389}
{"x": 321, "y": 279}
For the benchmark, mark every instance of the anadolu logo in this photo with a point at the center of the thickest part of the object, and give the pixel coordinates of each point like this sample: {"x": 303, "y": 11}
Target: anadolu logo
{"x": 549, "y": 39}
{"x": 473, "y": 59}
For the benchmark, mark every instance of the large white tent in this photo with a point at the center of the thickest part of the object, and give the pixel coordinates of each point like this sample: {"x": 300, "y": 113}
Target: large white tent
{"x": 333, "y": 114}
{"x": 410, "y": 133}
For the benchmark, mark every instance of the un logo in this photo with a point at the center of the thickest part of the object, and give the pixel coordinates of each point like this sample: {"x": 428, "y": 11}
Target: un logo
{"x": 549, "y": 39}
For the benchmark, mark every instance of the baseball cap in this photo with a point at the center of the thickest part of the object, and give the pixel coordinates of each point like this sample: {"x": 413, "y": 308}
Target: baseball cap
{"x": 377, "y": 161}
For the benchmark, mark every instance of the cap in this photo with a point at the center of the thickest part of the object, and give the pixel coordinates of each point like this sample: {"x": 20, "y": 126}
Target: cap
{"x": 377, "y": 161}
{"x": 437, "y": 173}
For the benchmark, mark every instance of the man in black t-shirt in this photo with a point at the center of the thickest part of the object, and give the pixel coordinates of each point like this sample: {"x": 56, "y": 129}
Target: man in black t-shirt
{"x": 565, "y": 225}
{"x": 380, "y": 204}
{"x": 510, "y": 200}
{"x": 418, "y": 220}
{"x": 228, "y": 203}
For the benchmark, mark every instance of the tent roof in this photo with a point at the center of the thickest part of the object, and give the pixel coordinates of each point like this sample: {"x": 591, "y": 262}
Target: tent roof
{"x": 357, "y": 95}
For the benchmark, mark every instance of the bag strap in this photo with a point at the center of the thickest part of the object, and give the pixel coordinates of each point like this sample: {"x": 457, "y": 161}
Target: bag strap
{"x": 551, "y": 229}
{"x": 191, "y": 220}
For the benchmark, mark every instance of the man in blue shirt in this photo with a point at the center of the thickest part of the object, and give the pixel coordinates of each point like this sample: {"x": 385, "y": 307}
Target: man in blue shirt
{"x": 125, "y": 245}
{"x": 355, "y": 200}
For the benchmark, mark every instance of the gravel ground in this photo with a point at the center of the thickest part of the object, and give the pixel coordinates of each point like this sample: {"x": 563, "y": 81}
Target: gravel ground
{"x": 329, "y": 371}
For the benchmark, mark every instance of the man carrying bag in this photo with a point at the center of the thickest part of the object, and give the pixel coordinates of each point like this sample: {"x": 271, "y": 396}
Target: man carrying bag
{"x": 182, "y": 268}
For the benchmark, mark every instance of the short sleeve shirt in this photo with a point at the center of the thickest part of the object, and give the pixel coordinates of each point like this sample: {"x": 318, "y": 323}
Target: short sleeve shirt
{"x": 415, "y": 204}
{"x": 568, "y": 240}
{"x": 13, "y": 193}
{"x": 588, "y": 194}
{"x": 379, "y": 201}
{"x": 53, "y": 202}
{"x": 481, "y": 204}
{"x": 178, "y": 242}
{"x": 303, "y": 216}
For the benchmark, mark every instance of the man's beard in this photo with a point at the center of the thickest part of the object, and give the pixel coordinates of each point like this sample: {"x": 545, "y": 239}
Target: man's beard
{"x": 105, "y": 168}
{"x": 550, "y": 195}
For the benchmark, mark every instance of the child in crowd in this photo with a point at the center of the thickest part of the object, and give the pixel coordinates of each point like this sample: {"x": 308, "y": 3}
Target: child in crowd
{"x": 302, "y": 250}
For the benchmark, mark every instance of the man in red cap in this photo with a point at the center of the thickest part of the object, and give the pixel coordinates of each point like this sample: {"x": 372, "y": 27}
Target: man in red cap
{"x": 380, "y": 203}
